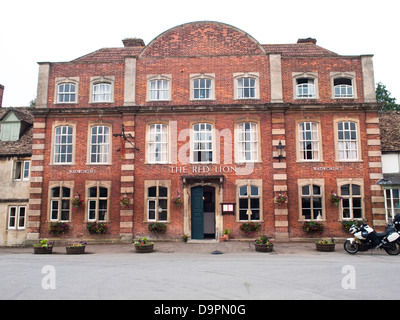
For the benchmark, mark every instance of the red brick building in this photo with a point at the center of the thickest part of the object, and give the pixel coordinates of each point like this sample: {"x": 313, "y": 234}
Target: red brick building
{"x": 202, "y": 129}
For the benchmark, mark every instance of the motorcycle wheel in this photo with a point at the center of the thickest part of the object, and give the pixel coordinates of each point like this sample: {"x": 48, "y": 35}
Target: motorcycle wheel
{"x": 393, "y": 248}
{"x": 351, "y": 248}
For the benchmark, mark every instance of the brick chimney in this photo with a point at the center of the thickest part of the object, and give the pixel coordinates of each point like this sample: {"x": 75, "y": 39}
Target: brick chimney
{"x": 133, "y": 42}
{"x": 1, "y": 95}
{"x": 307, "y": 40}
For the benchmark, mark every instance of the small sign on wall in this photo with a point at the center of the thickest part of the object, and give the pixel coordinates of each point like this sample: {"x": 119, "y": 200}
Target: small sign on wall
{"x": 228, "y": 208}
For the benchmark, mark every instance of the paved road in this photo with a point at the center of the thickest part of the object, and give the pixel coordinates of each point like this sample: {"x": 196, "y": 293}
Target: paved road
{"x": 178, "y": 271}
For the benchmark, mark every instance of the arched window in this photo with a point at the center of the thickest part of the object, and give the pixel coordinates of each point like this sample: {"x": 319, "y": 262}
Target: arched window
{"x": 98, "y": 203}
{"x": 60, "y": 203}
{"x": 102, "y": 92}
{"x": 343, "y": 88}
{"x": 157, "y": 143}
{"x": 66, "y": 93}
{"x": 249, "y": 203}
{"x": 311, "y": 202}
{"x": 351, "y": 201}
{"x": 63, "y": 144}
{"x": 202, "y": 143}
{"x": 100, "y": 144}
{"x": 157, "y": 203}
{"x": 247, "y": 142}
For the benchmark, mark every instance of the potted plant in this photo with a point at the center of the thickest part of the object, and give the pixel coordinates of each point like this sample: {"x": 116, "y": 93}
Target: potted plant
{"x": 157, "y": 227}
{"x": 250, "y": 227}
{"x": 177, "y": 200}
{"x": 143, "y": 245}
{"x": 124, "y": 201}
{"x": 280, "y": 199}
{"x": 262, "y": 244}
{"x": 334, "y": 199}
{"x": 77, "y": 202}
{"x": 226, "y": 234}
{"x": 185, "y": 238}
{"x": 76, "y": 247}
{"x": 313, "y": 226}
{"x": 43, "y": 247}
{"x": 325, "y": 245}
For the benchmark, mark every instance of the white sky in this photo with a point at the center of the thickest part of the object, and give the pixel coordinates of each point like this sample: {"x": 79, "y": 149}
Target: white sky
{"x": 33, "y": 31}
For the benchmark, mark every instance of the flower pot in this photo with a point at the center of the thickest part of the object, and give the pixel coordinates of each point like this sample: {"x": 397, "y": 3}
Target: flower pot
{"x": 222, "y": 239}
{"x": 264, "y": 247}
{"x": 329, "y": 247}
{"x": 75, "y": 250}
{"x": 144, "y": 248}
{"x": 42, "y": 250}
{"x": 226, "y": 236}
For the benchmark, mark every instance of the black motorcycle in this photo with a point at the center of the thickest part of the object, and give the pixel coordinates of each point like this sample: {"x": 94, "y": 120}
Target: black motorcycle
{"x": 367, "y": 238}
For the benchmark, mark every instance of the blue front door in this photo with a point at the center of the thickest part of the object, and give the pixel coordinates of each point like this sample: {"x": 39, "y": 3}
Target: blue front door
{"x": 197, "y": 207}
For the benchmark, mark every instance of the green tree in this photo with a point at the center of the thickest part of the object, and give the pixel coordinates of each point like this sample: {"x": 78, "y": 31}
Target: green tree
{"x": 384, "y": 96}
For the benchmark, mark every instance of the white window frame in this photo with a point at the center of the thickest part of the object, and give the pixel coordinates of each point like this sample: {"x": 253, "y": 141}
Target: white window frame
{"x": 59, "y": 144}
{"x": 343, "y": 75}
{"x": 310, "y": 183}
{"x": 350, "y": 198}
{"x": 308, "y": 129}
{"x": 71, "y": 93}
{"x": 348, "y": 147}
{"x": 239, "y": 89}
{"x": 156, "y": 201}
{"x": 392, "y": 205}
{"x": 211, "y": 89}
{"x": 59, "y": 201}
{"x": 157, "y": 138}
{"x": 202, "y": 144}
{"x": 24, "y": 170}
{"x": 101, "y": 145}
{"x": 66, "y": 80}
{"x": 249, "y": 183}
{"x": 102, "y": 96}
{"x": 311, "y": 85}
{"x": 96, "y": 201}
{"x": 247, "y": 146}
{"x": 17, "y": 217}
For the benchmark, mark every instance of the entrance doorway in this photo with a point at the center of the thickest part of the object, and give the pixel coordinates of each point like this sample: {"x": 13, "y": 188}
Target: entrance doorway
{"x": 203, "y": 212}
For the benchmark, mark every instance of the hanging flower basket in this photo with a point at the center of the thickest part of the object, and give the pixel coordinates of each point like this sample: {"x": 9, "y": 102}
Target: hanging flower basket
{"x": 334, "y": 199}
{"x": 77, "y": 202}
{"x": 281, "y": 199}
{"x": 124, "y": 201}
{"x": 177, "y": 200}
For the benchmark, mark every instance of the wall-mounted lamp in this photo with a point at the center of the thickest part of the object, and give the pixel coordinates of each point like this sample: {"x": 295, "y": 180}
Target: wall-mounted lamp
{"x": 280, "y": 148}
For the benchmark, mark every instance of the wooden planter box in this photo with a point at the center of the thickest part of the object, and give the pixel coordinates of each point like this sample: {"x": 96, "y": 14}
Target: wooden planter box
{"x": 325, "y": 247}
{"x": 144, "y": 249}
{"x": 42, "y": 250}
{"x": 264, "y": 247}
{"x": 75, "y": 250}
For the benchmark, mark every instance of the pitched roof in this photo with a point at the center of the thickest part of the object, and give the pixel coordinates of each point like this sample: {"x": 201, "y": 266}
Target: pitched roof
{"x": 389, "y": 123}
{"x": 299, "y": 49}
{"x": 22, "y": 147}
{"x": 110, "y": 54}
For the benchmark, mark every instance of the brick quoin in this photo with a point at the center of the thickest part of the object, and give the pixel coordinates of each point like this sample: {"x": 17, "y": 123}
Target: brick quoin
{"x": 218, "y": 52}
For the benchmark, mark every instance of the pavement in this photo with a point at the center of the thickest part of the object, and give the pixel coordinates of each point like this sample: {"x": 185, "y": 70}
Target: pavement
{"x": 203, "y": 246}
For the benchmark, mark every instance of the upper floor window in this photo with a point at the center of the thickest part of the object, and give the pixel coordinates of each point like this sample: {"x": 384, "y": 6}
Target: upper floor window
{"x": 246, "y": 88}
{"x": 247, "y": 142}
{"x": 202, "y": 87}
{"x": 102, "y": 89}
{"x": 63, "y": 144}
{"x": 159, "y": 89}
{"x": 308, "y": 141}
{"x": 21, "y": 170}
{"x": 305, "y": 88}
{"x": 100, "y": 144}
{"x": 158, "y": 143}
{"x": 347, "y": 140}
{"x": 66, "y": 93}
{"x": 102, "y": 92}
{"x": 343, "y": 88}
{"x": 202, "y": 143}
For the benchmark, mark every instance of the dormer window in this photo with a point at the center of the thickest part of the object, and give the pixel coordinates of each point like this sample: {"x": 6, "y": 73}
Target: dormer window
{"x": 66, "y": 93}
{"x": 305, "y": 88}
{"x": 10, "y": 128}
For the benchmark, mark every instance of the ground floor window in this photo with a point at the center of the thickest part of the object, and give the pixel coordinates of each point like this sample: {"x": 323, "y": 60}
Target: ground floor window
{"x": 311, "y": 202}
{"x": 60, "y": 203}
{"x": 157, "y": 204}
{"x": 392, "y": 203}
{"x": 351, "y": 201}
{"x": 249, "y": 200}
{"x": 97, "y": 203}
{"x": 17, "y": 218}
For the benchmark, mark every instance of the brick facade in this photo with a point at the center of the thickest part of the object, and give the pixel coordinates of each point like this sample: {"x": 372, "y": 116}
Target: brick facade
{"x": 220, "y": 54}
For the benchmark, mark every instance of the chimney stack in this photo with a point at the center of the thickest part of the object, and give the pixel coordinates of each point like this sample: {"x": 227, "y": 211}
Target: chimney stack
{"x": 133, "y": 42}
{"x": 307, "y": 40}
